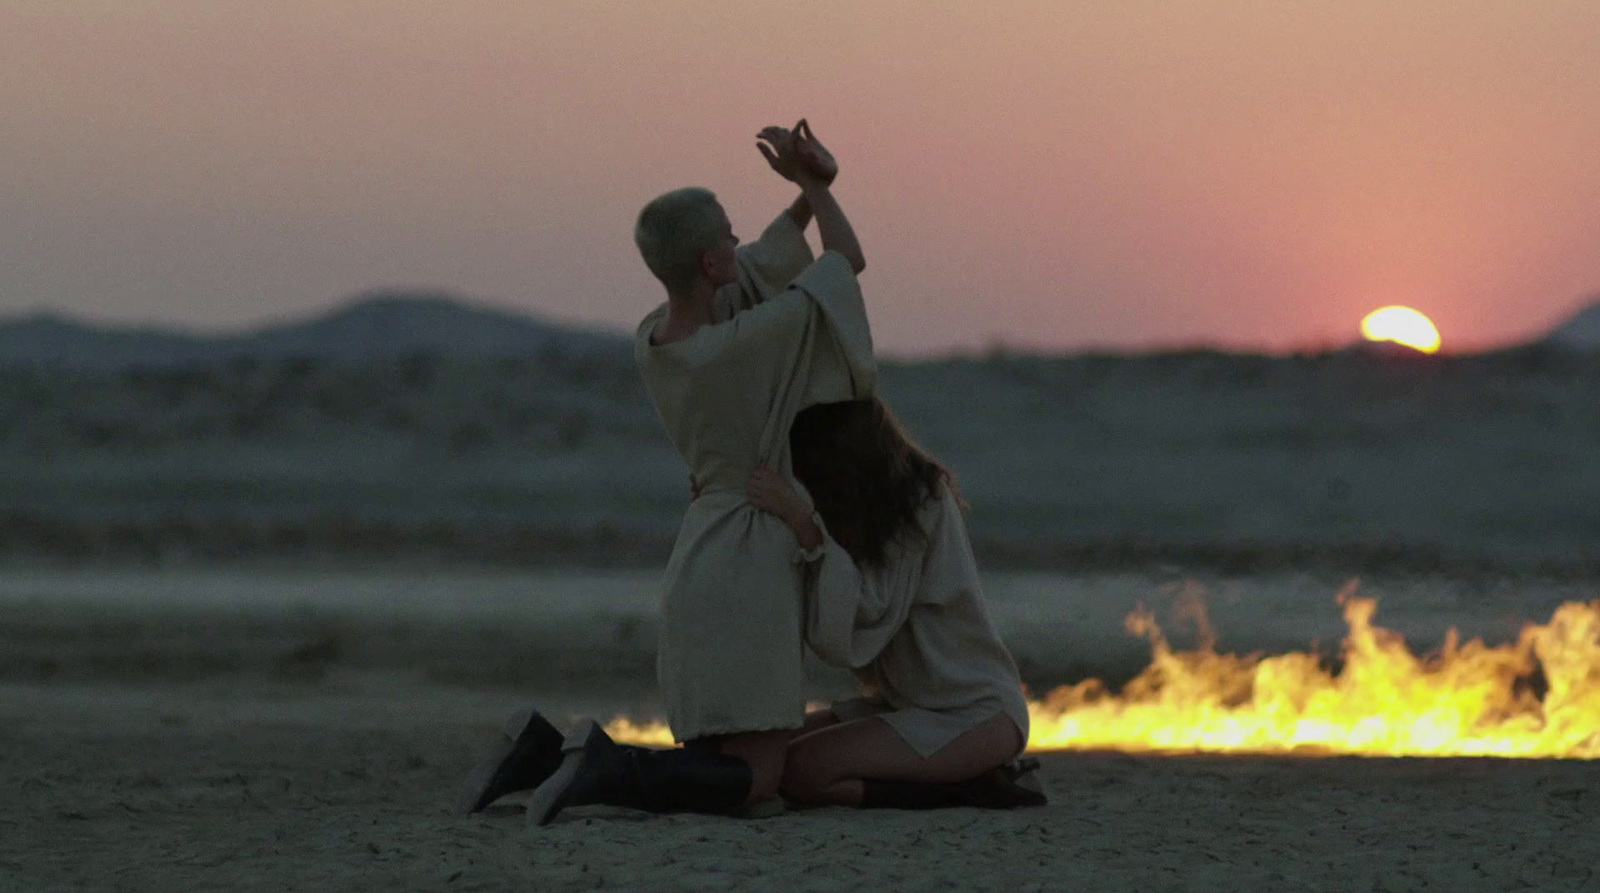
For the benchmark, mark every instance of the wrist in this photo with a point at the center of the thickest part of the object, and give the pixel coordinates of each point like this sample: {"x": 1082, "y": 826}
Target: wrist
{"x": 810, "y": 182}
{"x": 800, "y": 210}
{"x": 823, "y": 178}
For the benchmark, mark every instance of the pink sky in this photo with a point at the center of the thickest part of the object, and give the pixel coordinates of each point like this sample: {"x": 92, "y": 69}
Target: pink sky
{"x": 1047, "y": 174}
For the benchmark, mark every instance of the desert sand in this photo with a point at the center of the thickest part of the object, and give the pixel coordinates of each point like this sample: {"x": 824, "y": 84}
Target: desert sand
{"x": 178, "y": 788}
{"x": 277, "y": 745}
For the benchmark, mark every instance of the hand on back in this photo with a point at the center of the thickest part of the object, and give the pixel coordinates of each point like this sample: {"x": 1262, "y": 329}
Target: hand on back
{"x": 772, "y": 493}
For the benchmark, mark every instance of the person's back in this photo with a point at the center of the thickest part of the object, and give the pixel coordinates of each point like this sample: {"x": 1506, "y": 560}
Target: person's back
{"x": 729, "y": 360}
{"x": 730, "y": 652}
{"x": 725, "y": 394}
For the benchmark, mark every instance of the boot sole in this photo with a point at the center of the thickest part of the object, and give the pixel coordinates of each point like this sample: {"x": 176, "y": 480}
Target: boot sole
{"x": 547, "y": 797}
{"x": 1024, "y": 773}
{"x": 475, "y": 791}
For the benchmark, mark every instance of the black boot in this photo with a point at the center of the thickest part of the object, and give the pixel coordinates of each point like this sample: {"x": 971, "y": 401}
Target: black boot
{"x": 530, "y": 751}
{"x": 1023, "y": 775}
{"x": 1004, "y": 787}
{"x": 598, "y": 771}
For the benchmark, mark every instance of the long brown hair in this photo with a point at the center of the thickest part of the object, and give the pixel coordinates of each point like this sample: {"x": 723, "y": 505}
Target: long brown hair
{"x": 865, "y": 474}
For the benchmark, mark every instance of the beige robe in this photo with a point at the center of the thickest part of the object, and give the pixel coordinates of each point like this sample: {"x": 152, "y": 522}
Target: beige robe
{"x": 916, "y": 632}
{"x": 730, "y": 650}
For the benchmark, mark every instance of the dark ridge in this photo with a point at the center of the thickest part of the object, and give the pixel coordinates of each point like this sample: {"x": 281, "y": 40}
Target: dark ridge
{"x": 368, "y": 326}
{"x": 1580, "y": 331}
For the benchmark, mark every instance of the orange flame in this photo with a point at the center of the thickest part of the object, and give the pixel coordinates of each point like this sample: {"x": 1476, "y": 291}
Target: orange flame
{"x": 1468, "y": 699}
{"x": 650, "y": 732}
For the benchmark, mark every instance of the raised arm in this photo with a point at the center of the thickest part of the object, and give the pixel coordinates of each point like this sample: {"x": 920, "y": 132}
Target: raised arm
{"x": 797, "y": 156}
{"x": 800, "y": 211}
{"x": 832, "y": 225}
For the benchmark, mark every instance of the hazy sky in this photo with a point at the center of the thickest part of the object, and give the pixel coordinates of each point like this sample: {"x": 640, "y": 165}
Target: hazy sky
{"x": 1044, "y": 174}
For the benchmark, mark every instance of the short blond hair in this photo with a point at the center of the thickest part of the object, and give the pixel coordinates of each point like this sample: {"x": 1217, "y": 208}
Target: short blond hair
{"x": 675, "y": 230}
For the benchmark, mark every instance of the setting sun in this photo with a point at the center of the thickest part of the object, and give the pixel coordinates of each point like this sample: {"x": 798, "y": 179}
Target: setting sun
{"x": 1402, "y": 325}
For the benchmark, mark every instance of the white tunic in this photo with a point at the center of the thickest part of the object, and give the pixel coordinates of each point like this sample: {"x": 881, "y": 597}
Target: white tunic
{"x": 730, "y": 652}
{"x": 916, "y": 632}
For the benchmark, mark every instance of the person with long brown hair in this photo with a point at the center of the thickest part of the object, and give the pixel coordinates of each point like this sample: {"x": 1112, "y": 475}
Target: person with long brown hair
{"x": 893, "y": 593}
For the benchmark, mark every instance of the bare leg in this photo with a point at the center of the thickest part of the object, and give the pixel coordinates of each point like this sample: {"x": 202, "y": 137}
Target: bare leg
{"x": 827, "y": 766}
{"x": 816, "y": 719}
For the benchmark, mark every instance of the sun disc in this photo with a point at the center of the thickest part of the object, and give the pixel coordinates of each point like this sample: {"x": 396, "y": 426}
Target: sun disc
{"x": 1402, "y": 325}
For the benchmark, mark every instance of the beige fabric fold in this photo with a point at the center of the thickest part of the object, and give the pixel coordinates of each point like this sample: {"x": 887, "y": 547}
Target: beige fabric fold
{"x": 729, "y": 657}
{"x": 915, "y": 631}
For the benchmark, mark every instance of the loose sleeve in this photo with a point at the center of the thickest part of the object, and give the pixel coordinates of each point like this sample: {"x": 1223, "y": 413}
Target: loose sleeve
{"x": 852, "y": 373}
{"x": 765, "y": 267}
{"x": 950, "y": 571}
{"x": 850, "y": 615}
{"x": 838, "y": 351}
{"x": 802, "y": 555}
{"x": 811, "y": 344}
{"x": 780, "y": 254}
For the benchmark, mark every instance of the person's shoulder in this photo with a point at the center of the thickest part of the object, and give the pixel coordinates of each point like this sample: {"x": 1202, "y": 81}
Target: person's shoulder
{"x": 940, "y": 516}
{"x": 704, "y": 347}
{"x": 754, "y": 331}
{"x": 943, "y": 502}
{"x": 647, "y": 326}
{"x": 643, "y": 332}
{"x": 931, "y": 516}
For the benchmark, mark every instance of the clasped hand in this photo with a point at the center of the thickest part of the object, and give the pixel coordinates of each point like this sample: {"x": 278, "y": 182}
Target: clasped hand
{"x": 796, "y": 154}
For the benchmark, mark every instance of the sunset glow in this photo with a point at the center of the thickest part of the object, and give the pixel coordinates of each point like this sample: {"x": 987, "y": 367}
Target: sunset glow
{"x": 1468, "y": 699}
{"x": 1060, "y": 176}
{"x": 1401, "y": 325}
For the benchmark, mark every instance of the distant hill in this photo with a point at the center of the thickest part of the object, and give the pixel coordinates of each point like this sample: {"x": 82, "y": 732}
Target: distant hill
{"x": 373, "y": 325}
{"x": 1581, "y": 331}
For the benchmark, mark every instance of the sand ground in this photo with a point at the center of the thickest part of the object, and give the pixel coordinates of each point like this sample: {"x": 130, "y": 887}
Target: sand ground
{"x": 252, "y": 731}
{"x": 347, "y": 785}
